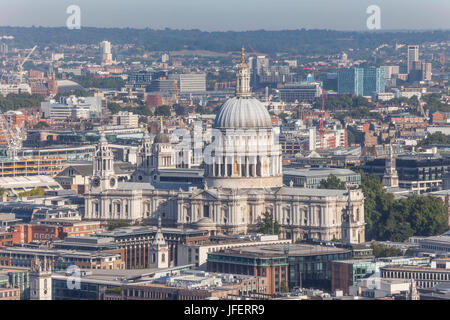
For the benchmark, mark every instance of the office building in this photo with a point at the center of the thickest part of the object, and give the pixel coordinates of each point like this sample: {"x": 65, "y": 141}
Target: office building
{"x": 425, "y": 276}
{"x": 373, "y": 81}
{"x": 294, "y": 265}
{"x": 415, "y": 173}
{"x": 300, "y": 92}
{"x": 311, "y": 177}
{"x": 361, "y": 81}
{"x": 126, "y": 119}
{"x": 72, "y": 107}
{"x": 413, "y": 55}
{"x": 198, "y": 285}
{"x": 347, "y": 273}
{"x": 190, "y": 82}
{"x": 350, "y": 81}
{"x": 105, "y": 47}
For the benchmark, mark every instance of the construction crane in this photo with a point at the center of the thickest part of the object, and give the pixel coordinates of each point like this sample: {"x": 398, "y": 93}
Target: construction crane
{"x": 20, "y": 65}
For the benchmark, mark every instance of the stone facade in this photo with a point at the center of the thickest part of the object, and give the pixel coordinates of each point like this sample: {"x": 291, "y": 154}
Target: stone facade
{"x": 239, "y": 186}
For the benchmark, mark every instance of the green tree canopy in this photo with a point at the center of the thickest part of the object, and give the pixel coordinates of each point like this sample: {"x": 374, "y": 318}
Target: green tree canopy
{"x": 163, "y": 111}
{"x": 397, "y": 220}
{"x": 380, "y": 250}
{"x": 268, "y": 225}
{"x": 332, "y": 182}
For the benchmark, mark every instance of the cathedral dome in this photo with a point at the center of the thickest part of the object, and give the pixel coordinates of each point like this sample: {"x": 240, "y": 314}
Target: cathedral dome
{"x": 242, "y": 113}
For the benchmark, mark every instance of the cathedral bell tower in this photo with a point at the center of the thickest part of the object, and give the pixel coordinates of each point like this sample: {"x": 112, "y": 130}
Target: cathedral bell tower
{"x": 349, "y": 229}
{"x": 159, "y": 252}
{"x": 103, "y": 177}
{"x": 40, "y": 280}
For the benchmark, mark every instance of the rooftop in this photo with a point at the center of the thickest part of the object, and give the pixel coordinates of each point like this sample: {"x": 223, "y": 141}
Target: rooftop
{"x": 319, "y": 172}
{"x": 281, "y": 250}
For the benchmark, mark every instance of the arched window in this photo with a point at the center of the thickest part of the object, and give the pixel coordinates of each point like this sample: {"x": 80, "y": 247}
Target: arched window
{"x": 163, "y": 257}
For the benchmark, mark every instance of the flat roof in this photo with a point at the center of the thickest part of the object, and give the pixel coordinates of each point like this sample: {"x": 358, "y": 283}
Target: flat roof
{"x": 145, "y": 229}
{"x": 319, "y": 172}
{"x": 278, "y": 250}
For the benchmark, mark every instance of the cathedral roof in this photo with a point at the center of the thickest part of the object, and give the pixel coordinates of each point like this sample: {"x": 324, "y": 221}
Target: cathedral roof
{"x": 243, "y": 113}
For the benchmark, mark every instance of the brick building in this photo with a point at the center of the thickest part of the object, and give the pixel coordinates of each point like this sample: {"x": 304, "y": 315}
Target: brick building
{"x": 53, "y": 229}
{"x": 137, "y": 241}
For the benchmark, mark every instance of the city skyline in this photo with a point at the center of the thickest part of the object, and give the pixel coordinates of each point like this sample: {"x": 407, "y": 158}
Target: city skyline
{"x": 230, "y": 16}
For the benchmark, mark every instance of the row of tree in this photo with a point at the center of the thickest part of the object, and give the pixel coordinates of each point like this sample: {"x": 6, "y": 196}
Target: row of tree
{"x": 15, "y": 101}
{"x": 397, "y": 220}
{"x": 107, "y": 83}
{"x": 291, "y": 41}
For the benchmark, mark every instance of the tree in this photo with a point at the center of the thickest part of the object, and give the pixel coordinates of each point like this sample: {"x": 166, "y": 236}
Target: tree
{"x": 284, "y": 287}
{"x": 163, "y": 111}
{"x": 380, "y": 250}
{"x": 117, "y": 224}
{"x": 332, "y": 182}
{"x": 33, "y": 192}
{"x": 268, "y": 225}
{"x": 397, "y": 220}
{"x": 41, "y": 125}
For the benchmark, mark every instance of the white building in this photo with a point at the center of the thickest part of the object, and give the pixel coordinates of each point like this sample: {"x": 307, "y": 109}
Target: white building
{"x": 40, "y": 280}
{"x": 6, "y": 89}
{"x": 105, "y": 47}
{"x": 190, "y": 82}
{"x": 126, "y": 119}
{"x": 243, "y": 180}
{"x": 72, "y": 107}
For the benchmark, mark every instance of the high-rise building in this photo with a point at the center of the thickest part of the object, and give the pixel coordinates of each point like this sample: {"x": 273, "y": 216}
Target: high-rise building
{"x": 361, "y": 81}
{"x": 165, "y": 58}
{"x": 374, "y": 81}
{"x": 426, "y": 71}
{"x": 105, "y": 47}
{"x": 413, "y": 55}
{"x": 351, "y": 81}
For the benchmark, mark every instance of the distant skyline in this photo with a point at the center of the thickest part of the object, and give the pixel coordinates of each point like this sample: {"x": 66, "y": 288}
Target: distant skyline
{"x": 230, "y": 15}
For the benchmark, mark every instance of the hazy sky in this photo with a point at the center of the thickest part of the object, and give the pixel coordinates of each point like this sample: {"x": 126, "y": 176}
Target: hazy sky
{"x": 218, "y": 15}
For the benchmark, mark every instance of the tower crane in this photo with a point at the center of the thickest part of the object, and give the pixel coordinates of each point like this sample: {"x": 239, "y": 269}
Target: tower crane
{"x": 20, "y": 65}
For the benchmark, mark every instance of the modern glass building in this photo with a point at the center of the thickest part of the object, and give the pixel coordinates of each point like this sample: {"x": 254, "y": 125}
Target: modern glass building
{"x": 295, "y": 265}
{"x": 361, "y": 81}
{"x": 374, "y": 81}
{"x": 350, "y": 81}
